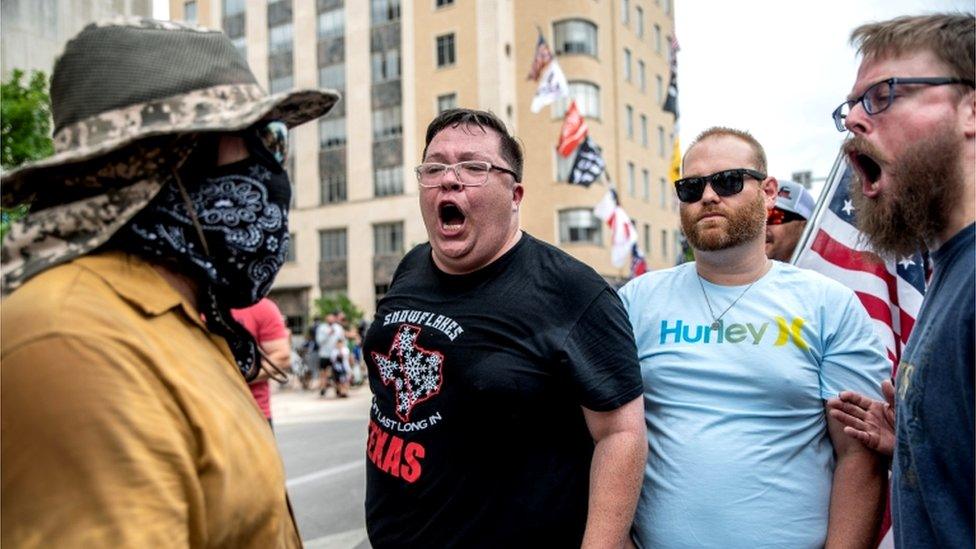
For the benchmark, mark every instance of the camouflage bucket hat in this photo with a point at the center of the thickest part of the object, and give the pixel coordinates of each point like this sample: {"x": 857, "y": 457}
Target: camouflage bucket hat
{"x": 129, "y": 97}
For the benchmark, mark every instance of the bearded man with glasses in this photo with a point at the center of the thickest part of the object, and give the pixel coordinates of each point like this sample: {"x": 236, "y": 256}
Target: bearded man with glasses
{"x": 738, "y": 355}
{"x": 507, "y": 406}
{"x": 912, "y": 119}
{"x": 125, "y": 413}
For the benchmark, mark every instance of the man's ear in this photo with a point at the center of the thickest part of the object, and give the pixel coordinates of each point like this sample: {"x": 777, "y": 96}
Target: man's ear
{"x": 967, "y": 114}
{"x": 517, "y": 192}
{"x": 769, "y": 188}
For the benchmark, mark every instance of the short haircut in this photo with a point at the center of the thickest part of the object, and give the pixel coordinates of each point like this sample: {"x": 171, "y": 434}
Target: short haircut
{"x": 759, "y": 154}
{"x": 950, "y": 36}
{"x": 510, "y": 151}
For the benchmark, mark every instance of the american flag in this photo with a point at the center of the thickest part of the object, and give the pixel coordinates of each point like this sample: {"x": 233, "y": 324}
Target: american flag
{"x": 638, "y": 265}
{"x": 543, "y": 55}
{"x": 890, "y": 291}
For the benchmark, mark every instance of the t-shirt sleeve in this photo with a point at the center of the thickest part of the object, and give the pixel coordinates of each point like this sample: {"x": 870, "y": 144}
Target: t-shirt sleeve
{"x": 601, "y": 355}
{"x": 270, "y": 324}
{"x": 104, "y": 462}
{"x": 854, "y": 359}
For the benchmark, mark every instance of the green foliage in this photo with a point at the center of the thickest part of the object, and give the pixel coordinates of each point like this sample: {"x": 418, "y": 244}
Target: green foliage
{"x": 10, "y": 214}
{"x": 339, "y": 302}
{"x": 25, "y": 120}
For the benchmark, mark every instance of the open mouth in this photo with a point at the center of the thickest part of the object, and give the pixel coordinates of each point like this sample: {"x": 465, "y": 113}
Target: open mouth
{"x": 869, "y": 169}
{"x": 451, "y": 216}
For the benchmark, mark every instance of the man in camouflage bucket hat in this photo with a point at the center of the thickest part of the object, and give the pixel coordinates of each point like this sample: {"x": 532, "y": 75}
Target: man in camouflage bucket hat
{"x": 125, "y": 415}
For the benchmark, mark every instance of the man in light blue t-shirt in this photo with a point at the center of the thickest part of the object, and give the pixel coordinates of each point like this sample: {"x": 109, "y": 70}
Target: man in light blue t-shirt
{"x": 738, "y": 355}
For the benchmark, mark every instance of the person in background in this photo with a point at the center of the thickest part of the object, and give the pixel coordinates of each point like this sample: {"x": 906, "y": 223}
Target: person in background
{"x": 911, "y": 115}
{"x": 124, "y": 407}
{"x": 264, "y": 321}
{"x": 737, "y": 369}
{"x": 787, "y": 219}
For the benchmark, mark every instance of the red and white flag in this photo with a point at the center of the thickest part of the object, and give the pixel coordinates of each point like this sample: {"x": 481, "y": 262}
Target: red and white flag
{"x": 890, "y": 291}
{"x": 573, "y": 132}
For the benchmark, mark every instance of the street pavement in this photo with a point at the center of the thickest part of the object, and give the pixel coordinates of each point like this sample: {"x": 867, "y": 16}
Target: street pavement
{"x": 323, "y": 446}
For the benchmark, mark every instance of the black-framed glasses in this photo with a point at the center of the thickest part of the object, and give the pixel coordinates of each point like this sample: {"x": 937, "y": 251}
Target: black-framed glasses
{"x": 880, "y": 95}
{"x": 724, "y": 183}
{"x": 469, "y": 173}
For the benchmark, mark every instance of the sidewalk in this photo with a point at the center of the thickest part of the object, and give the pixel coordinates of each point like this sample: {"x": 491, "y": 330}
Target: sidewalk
{"x": 293, "y": 405}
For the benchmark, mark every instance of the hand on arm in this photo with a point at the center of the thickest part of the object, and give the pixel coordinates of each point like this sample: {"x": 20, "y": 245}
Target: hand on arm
{"x": 278, "y": 352}
{"x": 616, "y": 473}
{"x": 870, "y": 421}
{"x": 857, "y": 492}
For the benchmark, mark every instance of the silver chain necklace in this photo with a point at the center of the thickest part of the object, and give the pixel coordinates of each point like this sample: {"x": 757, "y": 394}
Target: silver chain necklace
{"x": 715, "y": 320}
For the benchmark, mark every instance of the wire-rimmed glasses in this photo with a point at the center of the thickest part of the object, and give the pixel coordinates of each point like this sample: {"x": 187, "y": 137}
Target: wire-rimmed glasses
{"x": 469, "y": 173}
{"x": 880, "y": 95}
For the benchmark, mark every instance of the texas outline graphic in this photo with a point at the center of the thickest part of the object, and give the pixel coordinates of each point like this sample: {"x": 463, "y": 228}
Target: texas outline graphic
{"x": 414, "y": 371}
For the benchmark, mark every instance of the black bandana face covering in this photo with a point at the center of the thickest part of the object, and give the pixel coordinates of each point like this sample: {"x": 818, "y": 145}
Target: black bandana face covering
{"x": 242, "y": 210}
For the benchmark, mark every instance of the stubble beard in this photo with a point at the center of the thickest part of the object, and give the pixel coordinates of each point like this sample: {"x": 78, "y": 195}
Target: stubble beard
{"x": 925, "y": 181}
{"x": 743, "y": 225}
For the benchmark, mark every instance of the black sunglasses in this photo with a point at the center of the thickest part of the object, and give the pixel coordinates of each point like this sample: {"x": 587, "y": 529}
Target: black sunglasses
{"x": 724, "y": 183}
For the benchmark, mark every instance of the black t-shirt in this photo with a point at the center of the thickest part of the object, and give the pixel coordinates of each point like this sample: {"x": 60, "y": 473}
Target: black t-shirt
{"x": 476, "y": 433}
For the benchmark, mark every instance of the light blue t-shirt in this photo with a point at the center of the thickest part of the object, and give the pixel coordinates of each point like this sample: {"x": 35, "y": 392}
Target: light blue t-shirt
{"x": 739, "y": 454}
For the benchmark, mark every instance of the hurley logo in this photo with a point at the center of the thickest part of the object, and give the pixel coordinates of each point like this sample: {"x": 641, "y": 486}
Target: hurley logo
{"x": 748, "y": 332}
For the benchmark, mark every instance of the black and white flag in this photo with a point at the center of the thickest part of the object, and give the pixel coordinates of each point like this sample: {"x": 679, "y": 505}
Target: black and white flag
{"x": 589, "y": 164}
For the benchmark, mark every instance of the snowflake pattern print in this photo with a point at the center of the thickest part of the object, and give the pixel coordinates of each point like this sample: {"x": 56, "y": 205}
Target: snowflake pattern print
{"x": 414, "y": 371}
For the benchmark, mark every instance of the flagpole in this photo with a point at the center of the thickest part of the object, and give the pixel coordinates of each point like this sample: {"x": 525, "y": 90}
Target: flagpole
{"x": 823, "y": 202}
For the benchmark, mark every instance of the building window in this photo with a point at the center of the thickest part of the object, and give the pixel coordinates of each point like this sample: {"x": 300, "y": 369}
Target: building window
{"x": 663, "y": 185}
{"x": 644, "y": 138}
{"x": 629, "y": 122}
{"x": 631, "y": 179}
{"x": 627, "y": 59}
{"x": 332, "y": 245}
{"x": 646, "y": 187}
{"x": 639, "y": 12}
{"x": 575, "y": 36}
{"x": 564, "y": 165}
{"x": 384, "y": 11}
{"x": 387, "y": 123}
{"x": 234, "y": 7}
{"x": 445, "y": 50}
{"x": 660, "y": 142}
{"x": 647, "y": 238}
{"x": 332, "y": 132}
{"x": 664, "y": 243}
{"x": 291, "y": 256}
{"x": 677, "y": 243}
{"x": 657, "y": 38}
{"x": 625, "y": 11}
{"x": 280, "y": 84}
{"x": 386, "y": 65}
{"x": 660, "y": 90}
{"x": 332, "y": 188}
{"x": 580, "y": 226}
{"x": 388, "y": 238}
{"x": 667, "y": 7}
{"x": 332, "y": 23}
{"x": 388, "y": 181}
{"x": 642, "y": 76}
{"x": 443, "y": 3}
{"x": 190, "y": 11}
{"x": 446, "y": 101}
{"x": 587, "y": 96}
{"x": 333, "y": 76}
{"x": 279, "y": 38}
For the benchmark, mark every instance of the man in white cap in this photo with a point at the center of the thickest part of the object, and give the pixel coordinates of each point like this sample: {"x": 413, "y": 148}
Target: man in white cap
{"x": 787, "y": 219}
{"x": 125, "y": 412}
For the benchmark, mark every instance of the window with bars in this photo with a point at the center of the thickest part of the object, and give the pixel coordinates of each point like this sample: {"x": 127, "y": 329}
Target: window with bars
{"x": 384, "y": 11}
{"x": 332, "y": 188}
{"x": 332, "y": 244}
{"x": 387, "y": 123}
{"x": 388, "y": 238}
{"x": 332, "y": 132}
{"x": 388, "y": 181}
{"x": 386, "y": 65}
{"x": 575, "y": 36}
{"x": 579, "y": 225}
{"x": 445, "y": 50}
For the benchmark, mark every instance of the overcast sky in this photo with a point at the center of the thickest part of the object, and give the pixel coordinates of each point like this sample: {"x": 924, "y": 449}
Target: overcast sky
{"x": 777, "y": 69}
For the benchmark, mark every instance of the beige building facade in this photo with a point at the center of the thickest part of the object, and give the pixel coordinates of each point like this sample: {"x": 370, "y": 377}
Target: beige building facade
{"x": 397, "y": 64}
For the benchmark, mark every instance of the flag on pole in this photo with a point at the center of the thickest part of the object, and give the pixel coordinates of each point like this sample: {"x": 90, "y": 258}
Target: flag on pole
{"x": 543, "y": 55}
{"x": 552, "y": 86}
{"x": 573, "y": 132}
{"x": 623, "y": 236}
{"x": 589, "y": 164}
{"x": 638, "y": 265}
{"x": 671, "y": 102}
{"x": 890, "y": 291}
{"x": 604, "y": 208}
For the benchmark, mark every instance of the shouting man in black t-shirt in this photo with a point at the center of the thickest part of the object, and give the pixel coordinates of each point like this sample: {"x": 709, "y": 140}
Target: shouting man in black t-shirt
{"x": 507, "y": 406}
